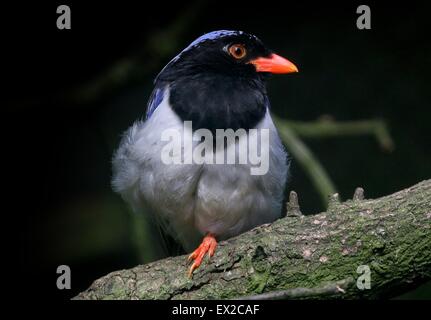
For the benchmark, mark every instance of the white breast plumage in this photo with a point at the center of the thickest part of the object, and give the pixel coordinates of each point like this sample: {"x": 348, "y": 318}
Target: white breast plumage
{"x": 190, "y": 200}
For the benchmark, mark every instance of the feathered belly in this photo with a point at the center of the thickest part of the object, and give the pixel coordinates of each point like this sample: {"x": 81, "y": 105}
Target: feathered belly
{"x": 230, "y": 201}
{"x": 224, "y": 200}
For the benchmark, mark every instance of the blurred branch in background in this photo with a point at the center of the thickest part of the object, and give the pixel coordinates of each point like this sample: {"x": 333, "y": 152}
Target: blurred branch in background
{"x": 326, "y": 127}
{"x": 300, "y": 152}
{"x": 159, "y": 46}
{"x": 290, "y": 132}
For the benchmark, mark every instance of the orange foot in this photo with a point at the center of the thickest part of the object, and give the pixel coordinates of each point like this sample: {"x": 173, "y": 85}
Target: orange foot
{"x": 209, "y": 244}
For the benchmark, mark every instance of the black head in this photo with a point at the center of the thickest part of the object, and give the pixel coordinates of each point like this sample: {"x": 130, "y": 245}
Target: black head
{"x": 231, "y": 53}
{"x": 218, "y": 80}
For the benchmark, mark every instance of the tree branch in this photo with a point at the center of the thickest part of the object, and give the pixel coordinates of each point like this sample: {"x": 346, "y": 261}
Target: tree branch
{"x": 300, "y": 256}
{"x": 291, "y": 133}
{"x": 330, "y": 289}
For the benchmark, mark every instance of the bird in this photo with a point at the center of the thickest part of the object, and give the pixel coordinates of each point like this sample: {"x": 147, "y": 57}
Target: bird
{"x": 216, "y": 82}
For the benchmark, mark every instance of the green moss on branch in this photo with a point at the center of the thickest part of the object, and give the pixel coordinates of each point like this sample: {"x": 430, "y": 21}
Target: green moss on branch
{"x": 300, "y": 254}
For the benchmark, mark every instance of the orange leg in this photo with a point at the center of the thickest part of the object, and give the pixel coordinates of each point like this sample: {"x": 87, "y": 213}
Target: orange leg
{"x": 209, "y": 244}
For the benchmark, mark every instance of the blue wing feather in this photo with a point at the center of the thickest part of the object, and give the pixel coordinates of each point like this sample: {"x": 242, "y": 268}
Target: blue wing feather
{"x": 154, "y": 101}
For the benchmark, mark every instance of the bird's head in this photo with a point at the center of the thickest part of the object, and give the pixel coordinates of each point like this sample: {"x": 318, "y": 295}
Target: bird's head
{"x": 218, "y": 80}
{"x": 234, "y": 53}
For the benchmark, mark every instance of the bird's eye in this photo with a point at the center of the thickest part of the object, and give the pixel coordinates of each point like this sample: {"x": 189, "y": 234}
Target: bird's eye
{"x": 237, "y": 51}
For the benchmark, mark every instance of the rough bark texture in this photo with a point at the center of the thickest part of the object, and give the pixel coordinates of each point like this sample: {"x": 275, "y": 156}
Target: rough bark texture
{"x": 300, "y": 256}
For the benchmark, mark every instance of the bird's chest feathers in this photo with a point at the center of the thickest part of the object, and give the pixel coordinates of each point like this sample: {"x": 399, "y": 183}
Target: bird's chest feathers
{"x": 184, "y": 182}
{"x": 218, "y": 102}
{"x": 181, "y": 164}
{"x": 221, "y": 198}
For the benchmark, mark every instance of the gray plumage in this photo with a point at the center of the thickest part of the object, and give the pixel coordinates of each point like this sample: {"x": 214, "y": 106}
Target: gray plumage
{"x": 191, "y": 200}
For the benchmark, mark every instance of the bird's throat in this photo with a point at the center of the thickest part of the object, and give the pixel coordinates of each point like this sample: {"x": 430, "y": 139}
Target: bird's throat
{"x": 217, "y": 102}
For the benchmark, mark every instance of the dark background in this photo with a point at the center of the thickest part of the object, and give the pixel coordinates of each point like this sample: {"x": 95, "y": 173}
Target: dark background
{"x": 63, "y": 122}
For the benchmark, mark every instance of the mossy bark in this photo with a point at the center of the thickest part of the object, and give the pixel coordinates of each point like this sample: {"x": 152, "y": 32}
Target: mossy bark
{"x": 391, "y": 235}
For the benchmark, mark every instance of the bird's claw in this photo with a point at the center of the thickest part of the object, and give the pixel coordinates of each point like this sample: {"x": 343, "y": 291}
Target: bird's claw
{"x": 208, "y": 245}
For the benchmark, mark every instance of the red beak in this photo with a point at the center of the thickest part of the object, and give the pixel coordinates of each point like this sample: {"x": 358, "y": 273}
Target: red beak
{"x": 274, "y": 64}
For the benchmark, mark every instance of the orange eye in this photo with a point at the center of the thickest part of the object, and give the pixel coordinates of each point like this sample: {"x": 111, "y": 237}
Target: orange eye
{"x": 237, "y": 51}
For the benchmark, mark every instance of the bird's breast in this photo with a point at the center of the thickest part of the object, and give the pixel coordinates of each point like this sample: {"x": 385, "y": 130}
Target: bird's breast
{"x": 192, "y": 199}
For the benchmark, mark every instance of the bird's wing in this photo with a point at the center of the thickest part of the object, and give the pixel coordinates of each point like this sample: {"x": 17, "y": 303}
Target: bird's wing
{"x": 162, "y": 243}
{"x": 158, "y": 231}
{"x": 155, "y": 100}
{"x": 170, "y": 246}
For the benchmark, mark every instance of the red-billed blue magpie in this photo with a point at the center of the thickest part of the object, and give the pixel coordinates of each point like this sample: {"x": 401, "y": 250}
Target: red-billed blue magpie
{"x": 217, "y": 82}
